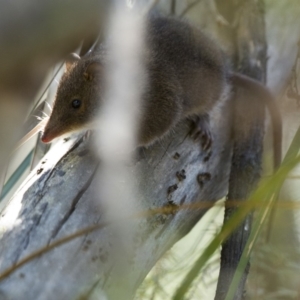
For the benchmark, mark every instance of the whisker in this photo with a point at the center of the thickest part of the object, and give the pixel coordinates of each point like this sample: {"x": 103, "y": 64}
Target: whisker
{"x": 164, "y": 148}
{"x": 39, "y": 127}
{"x": 48, "y": 105}
{"x": 45, "y": 114}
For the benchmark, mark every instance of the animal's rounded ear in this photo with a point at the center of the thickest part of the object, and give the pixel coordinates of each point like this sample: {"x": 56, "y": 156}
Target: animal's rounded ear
{"x": 92, "y": 71}
{"x": 71, "y": 59}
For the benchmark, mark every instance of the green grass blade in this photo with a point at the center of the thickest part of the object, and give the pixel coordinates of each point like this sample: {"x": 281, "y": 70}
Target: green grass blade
{"x": 290, "y": 155}
{"x": 262, "y": 191}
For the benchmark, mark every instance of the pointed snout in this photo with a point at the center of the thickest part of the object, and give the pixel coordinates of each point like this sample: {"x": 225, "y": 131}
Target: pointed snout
{"x": 46, "y": 137}
{"x": 50, "y": 133}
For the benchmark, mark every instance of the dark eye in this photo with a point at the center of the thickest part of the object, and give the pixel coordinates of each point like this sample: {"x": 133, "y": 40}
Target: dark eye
{"x": 76, "y": 103}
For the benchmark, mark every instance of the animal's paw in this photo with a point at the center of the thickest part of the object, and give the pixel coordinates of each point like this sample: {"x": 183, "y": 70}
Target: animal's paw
{"x": 200, "y": 131}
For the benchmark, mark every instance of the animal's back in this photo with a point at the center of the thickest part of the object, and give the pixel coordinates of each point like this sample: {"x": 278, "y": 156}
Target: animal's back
{"x": 196, "y": 61}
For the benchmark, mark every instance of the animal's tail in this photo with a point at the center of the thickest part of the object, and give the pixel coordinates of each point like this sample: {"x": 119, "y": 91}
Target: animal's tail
{"x": 265, "y": 95}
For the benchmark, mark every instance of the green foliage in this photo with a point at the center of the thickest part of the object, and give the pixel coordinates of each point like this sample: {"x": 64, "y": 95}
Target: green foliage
{"x": 262, "y": 201}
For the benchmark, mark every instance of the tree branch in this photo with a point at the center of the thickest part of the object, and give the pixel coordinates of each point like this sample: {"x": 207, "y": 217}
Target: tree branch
{"x": 60, "y": 198}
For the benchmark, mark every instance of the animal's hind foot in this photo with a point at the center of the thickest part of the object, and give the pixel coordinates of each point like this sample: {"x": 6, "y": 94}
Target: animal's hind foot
{"x": 200, "y": 131}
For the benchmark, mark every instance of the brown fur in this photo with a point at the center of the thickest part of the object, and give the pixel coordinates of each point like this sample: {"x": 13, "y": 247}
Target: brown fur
{"x": 187, "y": 75}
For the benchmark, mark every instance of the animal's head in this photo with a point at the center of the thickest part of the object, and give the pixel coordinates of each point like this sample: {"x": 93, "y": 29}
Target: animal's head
{"x": 77, "y": 98}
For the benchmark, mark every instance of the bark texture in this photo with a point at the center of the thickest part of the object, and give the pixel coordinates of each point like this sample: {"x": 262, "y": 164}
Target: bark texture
{"x": 62, "y": 194}
{"x": 61, "y": 197}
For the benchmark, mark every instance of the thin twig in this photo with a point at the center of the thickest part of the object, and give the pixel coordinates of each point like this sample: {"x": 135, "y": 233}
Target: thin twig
{"x": 167, "y": 210}
{"x": 173, "y": 8}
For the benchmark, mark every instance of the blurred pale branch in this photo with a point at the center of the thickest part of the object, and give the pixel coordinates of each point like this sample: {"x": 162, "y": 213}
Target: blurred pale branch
{"x": 33, "y": 36}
